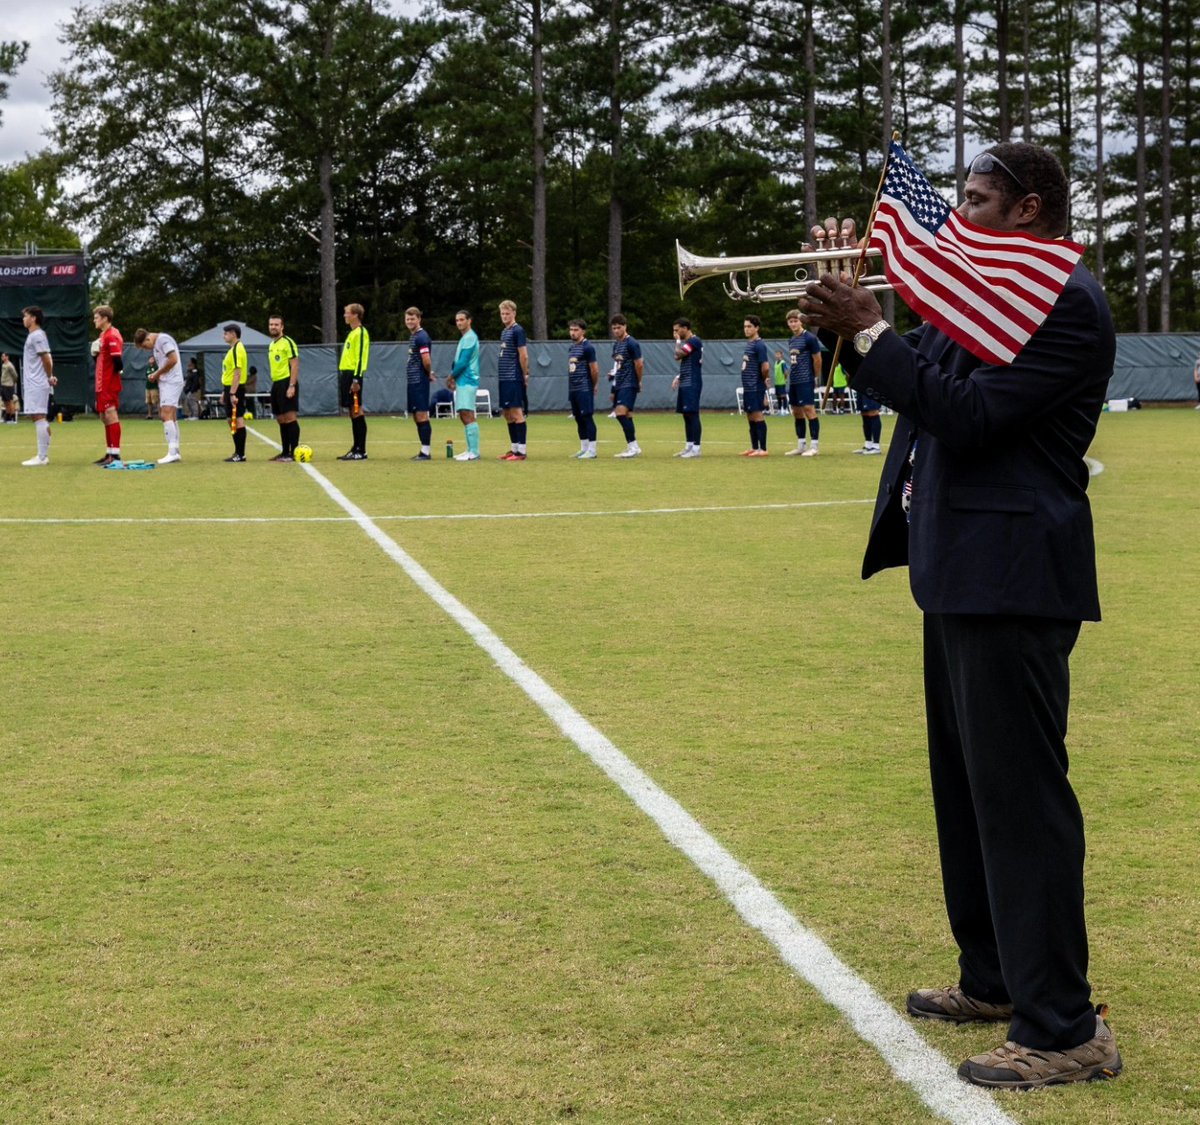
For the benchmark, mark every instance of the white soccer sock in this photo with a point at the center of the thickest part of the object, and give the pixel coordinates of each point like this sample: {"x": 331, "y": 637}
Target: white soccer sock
{"x": 171, "y": 432}
{"x": 43, "y": 438}
{"x": 521, "y": 447}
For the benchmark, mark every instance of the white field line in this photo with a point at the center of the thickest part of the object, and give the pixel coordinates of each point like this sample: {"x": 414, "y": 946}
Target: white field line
{"x": 874, "y": 1020}
{"x": 432, "y": 516}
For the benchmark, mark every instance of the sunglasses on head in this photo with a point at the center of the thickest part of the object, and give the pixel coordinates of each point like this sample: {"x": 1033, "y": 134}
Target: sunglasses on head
{"x": 987, "y": 162}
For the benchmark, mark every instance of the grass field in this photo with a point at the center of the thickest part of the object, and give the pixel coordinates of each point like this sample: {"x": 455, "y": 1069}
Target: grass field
{"x": 280, "y": 843}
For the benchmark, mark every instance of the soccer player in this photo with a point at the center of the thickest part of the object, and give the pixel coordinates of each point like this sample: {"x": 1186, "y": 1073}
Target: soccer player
{"x": 168, "y": 379}
{"x": 804, "y": 356}
{"x": 627, "y": 381}
{"x": 420, "y": 375}
{"x": 583, "y": 375}
{"x": 689, "y": 350}
{"x": 233, "y": 398}
{"x": 352, "y": 369}
{"x": 39, "y": 378}
{"x": 283, "y": 359}
{"x": 756, "y": 370}
{"x": 872, "y": 425}
{"x": 513, "y": 380}
{"x": 463, "y": 380}
{"x": 110, "y": 363}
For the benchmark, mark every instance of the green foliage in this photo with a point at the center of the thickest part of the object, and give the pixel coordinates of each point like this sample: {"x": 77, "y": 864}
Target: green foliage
{"x": 32, "y": 205}
{"x": 152, "y": 119}
{"x": 12, "y": 56}
{"x": 193, "y": 136}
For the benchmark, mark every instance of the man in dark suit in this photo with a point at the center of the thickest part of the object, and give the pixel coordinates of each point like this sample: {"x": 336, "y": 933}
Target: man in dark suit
{"x": 983, "y": 496}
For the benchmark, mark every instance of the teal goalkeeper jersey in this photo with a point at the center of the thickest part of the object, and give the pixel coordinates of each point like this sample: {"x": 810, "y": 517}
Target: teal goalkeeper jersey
{"x": 466, "y": 360}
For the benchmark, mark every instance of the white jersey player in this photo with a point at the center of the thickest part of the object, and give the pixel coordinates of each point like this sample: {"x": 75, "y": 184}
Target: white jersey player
{"x": 169, "y": 375}
{"x": 38, "y": 377}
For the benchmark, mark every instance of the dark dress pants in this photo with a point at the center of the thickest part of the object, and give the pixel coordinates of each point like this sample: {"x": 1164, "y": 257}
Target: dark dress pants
{"x": 1010, "y": 832}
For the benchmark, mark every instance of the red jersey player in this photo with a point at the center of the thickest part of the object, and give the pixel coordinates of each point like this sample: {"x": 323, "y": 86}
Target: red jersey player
{"x": 109, "y": 364}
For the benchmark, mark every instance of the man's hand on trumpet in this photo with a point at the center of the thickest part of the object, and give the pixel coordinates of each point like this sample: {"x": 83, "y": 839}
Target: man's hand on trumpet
{"x": 831, "y": 303}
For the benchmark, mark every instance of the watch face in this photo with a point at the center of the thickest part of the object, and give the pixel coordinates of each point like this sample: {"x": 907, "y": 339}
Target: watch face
{"x": 862, "y": 342}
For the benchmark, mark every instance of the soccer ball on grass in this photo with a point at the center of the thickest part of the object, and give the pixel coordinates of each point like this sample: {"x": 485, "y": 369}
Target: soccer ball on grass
{"x": 303, "y": 453}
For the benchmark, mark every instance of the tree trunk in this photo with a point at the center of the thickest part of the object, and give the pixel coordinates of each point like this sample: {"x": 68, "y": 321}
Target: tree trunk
{"x": 810, "y": 121}
{"x": 1099, "y": 142}
{"x": 538, "y": 309}
{"x": 885, "y": 69}
{"x": 885, "y": 89}
{"x": 616, "y": 216}
{"x": 328, "y": 249}
{"x": 1164, "y": 140}
{"x": 960, "y": 85}
{"x": 1004, "y": 123}
{"x": 1026, "y": 83}
{"x": 1139, "y": 222}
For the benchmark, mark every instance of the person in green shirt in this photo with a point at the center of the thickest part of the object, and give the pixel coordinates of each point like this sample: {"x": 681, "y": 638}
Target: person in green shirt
{"x": 284, "y": 359}
{"x": 233, "y": 397}
{"x": 352, "y": 369}
{"x": 780, "y": 373}
{"x": 839, "y": 392}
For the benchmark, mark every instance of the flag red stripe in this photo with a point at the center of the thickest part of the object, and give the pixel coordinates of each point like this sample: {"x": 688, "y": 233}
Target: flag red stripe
{"x": 957, "y": 271}
{"x": 950, "y": 309}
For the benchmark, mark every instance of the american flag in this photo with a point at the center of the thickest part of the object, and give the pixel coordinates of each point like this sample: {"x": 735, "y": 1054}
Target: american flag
{"x": 987, "y": 290}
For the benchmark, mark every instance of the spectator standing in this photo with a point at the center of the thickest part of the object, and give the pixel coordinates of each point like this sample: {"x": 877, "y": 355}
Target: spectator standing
{"x": 8, "y": 388}
{"x": 780, "y": 372}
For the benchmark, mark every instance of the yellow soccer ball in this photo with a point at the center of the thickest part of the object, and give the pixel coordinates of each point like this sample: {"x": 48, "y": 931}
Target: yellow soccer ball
{"x": 248, "y": 416}
{"x": 303, "y": 453}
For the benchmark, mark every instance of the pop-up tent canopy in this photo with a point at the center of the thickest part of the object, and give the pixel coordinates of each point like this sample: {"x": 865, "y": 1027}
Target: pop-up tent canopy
{"x": 212, "y": 338}
{"x": 212, "y": 342}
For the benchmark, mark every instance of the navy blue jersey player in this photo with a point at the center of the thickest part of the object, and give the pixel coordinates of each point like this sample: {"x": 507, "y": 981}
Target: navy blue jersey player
{"x": 627, "y": 381}
{"x": 756, "y": 369}
{"x": 420, "y": 374}
{"x": 689, "y": 383}
{"x": 804, "y": 372}
{"x": 583, "y": 373}
{"x": 513, "y": 380}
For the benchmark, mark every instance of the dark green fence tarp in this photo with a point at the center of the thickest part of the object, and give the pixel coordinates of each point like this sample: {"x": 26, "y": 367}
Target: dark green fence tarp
{"x": 1156, "y": 368}
{"x": 57, "y": 283}
{"x": 1153, "y": 368}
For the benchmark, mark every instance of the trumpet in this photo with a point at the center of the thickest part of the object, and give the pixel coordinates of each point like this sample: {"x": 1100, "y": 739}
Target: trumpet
{"x": 806, "y": 266}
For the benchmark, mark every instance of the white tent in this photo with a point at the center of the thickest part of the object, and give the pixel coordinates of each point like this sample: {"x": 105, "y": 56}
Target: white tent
{"x": 214, "y": 337}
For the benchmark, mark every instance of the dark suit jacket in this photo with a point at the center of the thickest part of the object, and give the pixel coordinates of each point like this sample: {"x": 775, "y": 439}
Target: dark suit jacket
{"x": 1000, "y": 521}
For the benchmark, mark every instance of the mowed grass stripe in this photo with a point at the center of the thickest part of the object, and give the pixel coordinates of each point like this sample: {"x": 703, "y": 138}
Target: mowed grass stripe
{"x": 286, "y": 849}
{"x": 580, "y": 970}
{"x": 923, "y": 1068}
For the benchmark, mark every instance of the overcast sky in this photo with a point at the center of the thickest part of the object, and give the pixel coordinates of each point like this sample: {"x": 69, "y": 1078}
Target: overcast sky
{"x": 27, "y": 108}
